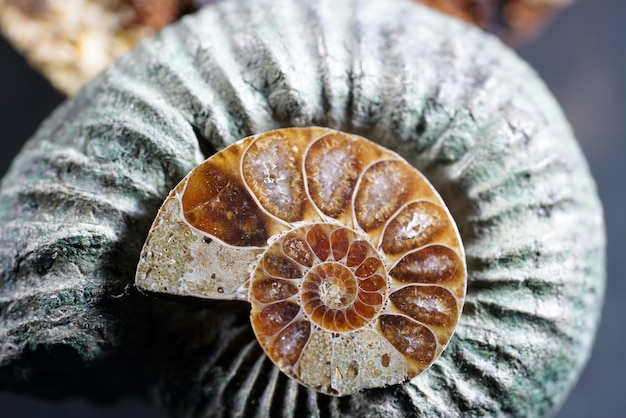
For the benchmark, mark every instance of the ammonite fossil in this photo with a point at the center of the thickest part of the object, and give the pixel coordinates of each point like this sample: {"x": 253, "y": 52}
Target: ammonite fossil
{"x": 77, "y": 204}
{"x": 349, "y": 257}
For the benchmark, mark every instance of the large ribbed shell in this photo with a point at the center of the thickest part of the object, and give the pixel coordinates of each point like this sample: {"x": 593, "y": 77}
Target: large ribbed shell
{"x": 350, "y": 259}
{"x": 78, "y": 201}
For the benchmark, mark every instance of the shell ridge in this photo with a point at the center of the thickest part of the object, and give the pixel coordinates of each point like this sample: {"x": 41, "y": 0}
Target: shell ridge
{"x": 269, "y": 392}
{"x": 141, "y": 138}
{"x": 276, "y": 85}
{"x": 223, "y": 110}
{"x": 166, "y": 64}
{"x": 147, "y": 114}
{"x": 332, "y": 61}
{"x": 239, "y": 403}
{"x": 537, "y": 170}
{"x": 239, "y": 105}
{"x": 388, "y": 52}
{"x": 471, "y": 381}
{"x": 45, "y": 257}
{"x": 303, "y": 49}
{"x": 57, "y": 160}
{"x": 220, "y": 400}
{"x": 498, "y": 313}
{"x": 223, "y": 346}
{"x": 71, "y": 201}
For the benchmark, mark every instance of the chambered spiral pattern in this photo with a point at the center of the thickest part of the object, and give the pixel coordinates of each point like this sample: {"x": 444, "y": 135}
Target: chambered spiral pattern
{"x": 361, "y": 276}
{"x": 340, "y": 278}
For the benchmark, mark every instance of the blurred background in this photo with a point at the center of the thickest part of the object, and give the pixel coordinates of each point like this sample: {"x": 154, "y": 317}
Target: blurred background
{"x": 581, "y": 57}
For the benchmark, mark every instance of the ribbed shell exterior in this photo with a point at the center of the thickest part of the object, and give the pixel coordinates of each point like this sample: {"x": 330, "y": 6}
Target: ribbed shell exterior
{"x": 77, "y": 203}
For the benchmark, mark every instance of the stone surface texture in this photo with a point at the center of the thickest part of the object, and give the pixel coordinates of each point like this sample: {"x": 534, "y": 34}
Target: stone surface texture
{"x": 77, "y": 203}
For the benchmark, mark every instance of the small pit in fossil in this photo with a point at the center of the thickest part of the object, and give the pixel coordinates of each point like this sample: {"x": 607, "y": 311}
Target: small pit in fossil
{"x": 384, "y": 360}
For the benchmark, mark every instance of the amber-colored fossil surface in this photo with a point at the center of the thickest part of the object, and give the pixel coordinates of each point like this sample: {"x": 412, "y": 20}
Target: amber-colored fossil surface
{"x": 352, "y": 264}
{"x": 71, "y": 41}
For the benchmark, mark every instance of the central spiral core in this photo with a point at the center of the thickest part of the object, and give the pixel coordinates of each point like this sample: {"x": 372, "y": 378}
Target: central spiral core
{"x": 339, "y": 275}
{"x": 332, "y": 284}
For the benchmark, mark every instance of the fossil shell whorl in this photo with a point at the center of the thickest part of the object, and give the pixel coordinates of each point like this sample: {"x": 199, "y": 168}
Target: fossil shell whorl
{"x": 361, "y": 278}
{"x": 77, "y": 203}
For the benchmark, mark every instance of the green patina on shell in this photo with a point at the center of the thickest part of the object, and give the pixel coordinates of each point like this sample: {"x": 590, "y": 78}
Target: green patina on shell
{"x": 78, "y": 201}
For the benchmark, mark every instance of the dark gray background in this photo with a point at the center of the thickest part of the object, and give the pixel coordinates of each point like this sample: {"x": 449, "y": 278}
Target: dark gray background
{"x": 582, "y": 58}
